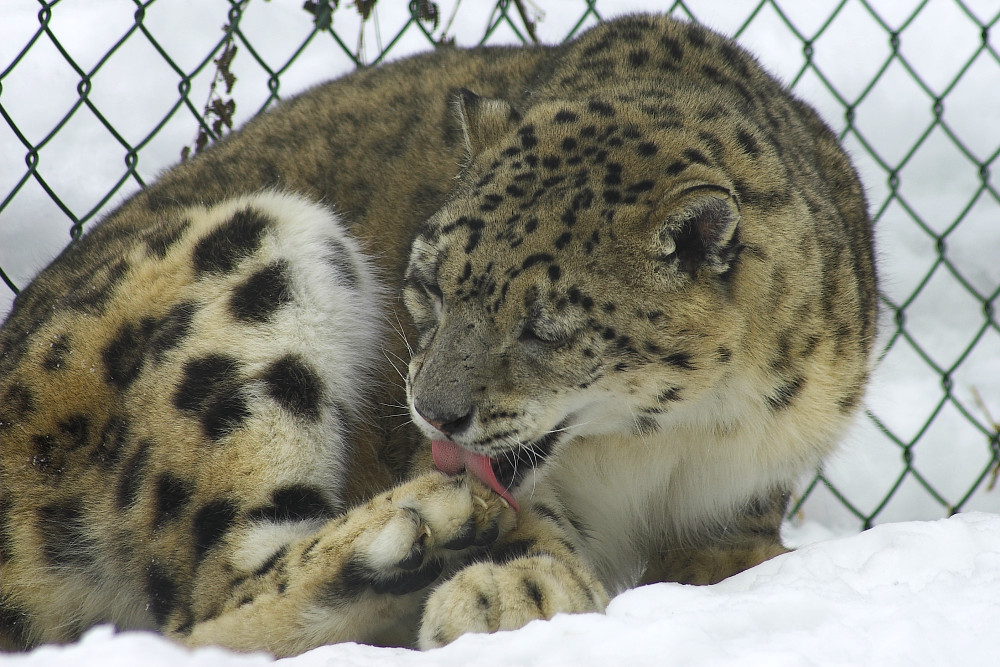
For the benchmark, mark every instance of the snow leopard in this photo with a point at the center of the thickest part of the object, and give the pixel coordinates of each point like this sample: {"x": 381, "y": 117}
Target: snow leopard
{"x": 442, "y": 346}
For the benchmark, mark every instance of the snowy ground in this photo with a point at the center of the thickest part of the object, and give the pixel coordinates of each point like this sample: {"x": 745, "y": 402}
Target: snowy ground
{"x": 908, "y": 593}
{"x": 915, "y": 593}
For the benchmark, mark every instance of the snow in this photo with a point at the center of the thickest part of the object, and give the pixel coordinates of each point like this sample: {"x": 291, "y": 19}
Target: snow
{"x": 917, "y": 592}
{"x": 909, "y": 593}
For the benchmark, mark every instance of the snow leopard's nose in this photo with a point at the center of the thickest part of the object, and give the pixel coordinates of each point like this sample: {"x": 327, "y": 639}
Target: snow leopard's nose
{"x": 448, "y": 379}
{"x": 447, "y": 421}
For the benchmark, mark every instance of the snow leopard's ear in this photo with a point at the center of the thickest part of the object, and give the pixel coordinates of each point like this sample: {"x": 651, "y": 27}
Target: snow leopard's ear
{"x": 700, "y": 230}
{"x": 484, "y": 120}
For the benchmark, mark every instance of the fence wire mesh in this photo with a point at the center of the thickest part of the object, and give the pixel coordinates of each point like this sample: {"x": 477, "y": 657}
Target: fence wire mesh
{"x": 939, "y": 451}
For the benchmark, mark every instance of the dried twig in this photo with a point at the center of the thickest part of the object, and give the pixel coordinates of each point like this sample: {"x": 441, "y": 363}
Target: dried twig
{"x": 444, "y": 39}
{"x": 322, "y": 12}
{"x": 529, "y": 23}
{"x": 996, "y": 432}
{"x": 429, "y": 12}
{"x": 218, "y": 110}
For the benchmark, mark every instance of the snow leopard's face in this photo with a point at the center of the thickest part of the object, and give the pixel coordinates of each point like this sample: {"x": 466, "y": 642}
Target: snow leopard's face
{"x": 571, "y": 287}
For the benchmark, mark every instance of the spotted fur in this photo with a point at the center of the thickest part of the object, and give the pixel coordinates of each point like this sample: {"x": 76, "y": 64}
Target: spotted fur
{"x": 637, "y": 274}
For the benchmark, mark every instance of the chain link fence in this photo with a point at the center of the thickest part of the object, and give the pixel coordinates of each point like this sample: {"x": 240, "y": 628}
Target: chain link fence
{"x": 912, "y": 91}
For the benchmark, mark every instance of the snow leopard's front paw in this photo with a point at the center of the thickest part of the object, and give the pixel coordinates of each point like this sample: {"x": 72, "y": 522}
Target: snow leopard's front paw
{"x": 411, "y": 533}
{"x": 487, "y": 597}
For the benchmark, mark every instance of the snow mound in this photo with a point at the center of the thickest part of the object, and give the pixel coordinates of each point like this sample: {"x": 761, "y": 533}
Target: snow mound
{"x": 915, "y": 593}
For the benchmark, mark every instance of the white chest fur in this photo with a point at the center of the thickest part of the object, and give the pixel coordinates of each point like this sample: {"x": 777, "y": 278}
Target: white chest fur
{"x": 634, "y": 495}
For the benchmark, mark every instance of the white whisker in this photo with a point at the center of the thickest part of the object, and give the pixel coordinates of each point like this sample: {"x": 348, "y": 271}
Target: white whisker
{"x": 408, "y": 422}
{"x": 394, "y": 367}
{"x": 397, "y": 326}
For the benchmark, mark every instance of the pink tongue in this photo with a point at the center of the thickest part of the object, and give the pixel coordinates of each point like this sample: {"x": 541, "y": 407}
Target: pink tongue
{"x": 452, "y": 459}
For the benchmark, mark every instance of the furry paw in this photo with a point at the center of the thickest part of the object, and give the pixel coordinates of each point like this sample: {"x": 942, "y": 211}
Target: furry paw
{"x": 411, "y": 533}
{"x": 487, "y": 597}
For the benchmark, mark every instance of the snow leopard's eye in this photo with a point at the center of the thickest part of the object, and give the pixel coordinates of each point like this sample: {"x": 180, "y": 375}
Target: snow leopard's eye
{"x": 432, "y": 293}
{"x": 541, "y": 331}
{"x": 425, "y": 302}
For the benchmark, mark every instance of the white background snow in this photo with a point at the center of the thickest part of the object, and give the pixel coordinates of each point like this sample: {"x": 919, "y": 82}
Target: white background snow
{"x": 912, "y": 591}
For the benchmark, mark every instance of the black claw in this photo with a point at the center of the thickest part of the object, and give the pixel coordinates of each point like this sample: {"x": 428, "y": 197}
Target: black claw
{"x": 464, "y": 537}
